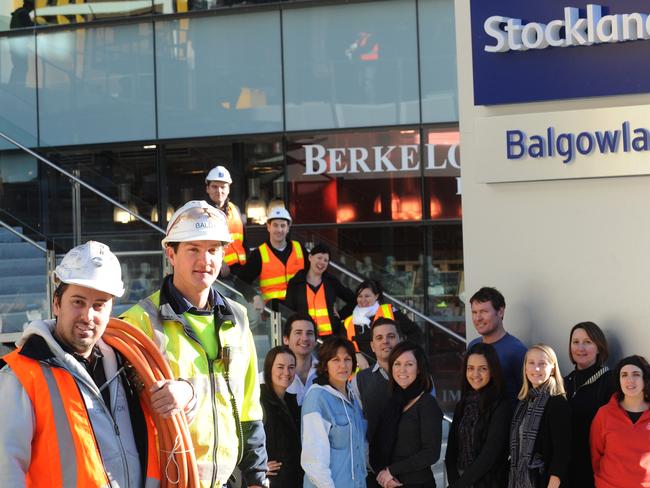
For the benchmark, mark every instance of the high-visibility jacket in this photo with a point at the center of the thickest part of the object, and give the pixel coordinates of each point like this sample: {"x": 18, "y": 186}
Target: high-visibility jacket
{"x": 235, "y": 253}
{"x": 225, "y": 401}
{"x": 275, "y": 275}
{"x": 64, "y": 451}
{"x": 385, "y": 310}
{"x": 318, "y": 310}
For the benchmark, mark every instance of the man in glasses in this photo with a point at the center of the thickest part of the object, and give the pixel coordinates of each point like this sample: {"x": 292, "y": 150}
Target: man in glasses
{"x": 209, "y": 346}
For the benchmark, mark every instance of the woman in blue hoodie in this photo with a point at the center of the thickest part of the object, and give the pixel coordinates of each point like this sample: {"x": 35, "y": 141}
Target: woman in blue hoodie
{"x": 333, "y": 427}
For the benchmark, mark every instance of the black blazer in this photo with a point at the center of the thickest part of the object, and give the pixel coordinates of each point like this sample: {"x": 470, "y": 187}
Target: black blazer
{"x": 491, "y": 434}
{"x": 282, "y": 428}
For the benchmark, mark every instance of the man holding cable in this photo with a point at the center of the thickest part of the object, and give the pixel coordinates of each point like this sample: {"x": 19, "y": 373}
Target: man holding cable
{"x": 206, "y": 339}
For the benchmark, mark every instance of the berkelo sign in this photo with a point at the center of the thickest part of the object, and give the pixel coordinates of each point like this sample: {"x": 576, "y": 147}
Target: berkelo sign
{"x": 553, "y": 50}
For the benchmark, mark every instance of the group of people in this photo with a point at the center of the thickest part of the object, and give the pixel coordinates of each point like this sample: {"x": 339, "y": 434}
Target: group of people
{"x": 74, "y": 414}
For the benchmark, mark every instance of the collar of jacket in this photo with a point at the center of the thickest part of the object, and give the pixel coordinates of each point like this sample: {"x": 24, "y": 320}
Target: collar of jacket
{"x": 221, "y": 312}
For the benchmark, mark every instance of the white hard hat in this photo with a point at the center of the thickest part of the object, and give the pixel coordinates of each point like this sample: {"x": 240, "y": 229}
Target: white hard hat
{"x": 197, "y": 221}
{"x": 218, "y": 173}
{"x": 92, "y": 265}
{"x": 278, "y": 213}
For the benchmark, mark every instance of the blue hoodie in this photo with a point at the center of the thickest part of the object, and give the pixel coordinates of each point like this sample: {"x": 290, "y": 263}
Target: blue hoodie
{"x": 333, "y": 439}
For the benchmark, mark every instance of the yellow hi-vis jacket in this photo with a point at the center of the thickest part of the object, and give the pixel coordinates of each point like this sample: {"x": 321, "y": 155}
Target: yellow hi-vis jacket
{"x": 227, "y": 398}
{"x": 235, "y": 253}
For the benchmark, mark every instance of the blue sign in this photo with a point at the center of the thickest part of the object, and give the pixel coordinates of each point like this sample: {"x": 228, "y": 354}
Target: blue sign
{"x": 527, "y": 51}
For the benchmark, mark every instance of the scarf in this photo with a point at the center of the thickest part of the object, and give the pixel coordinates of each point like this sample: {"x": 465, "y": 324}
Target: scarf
{"x": 523, "y": 433}
{"x": 577, "y": 377}
{"x": 363, "y": 316}
{"x": 466, "y": 428}
{"x": 386, "y": 436}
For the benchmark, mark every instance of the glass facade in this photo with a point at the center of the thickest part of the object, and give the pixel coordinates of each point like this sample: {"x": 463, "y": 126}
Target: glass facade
{"x": 346, "y": 114}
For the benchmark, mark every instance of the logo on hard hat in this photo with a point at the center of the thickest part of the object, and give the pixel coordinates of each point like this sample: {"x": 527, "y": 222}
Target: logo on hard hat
{"x": 205, "y": 225}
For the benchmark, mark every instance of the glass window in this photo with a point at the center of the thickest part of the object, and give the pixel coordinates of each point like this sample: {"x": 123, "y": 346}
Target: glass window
{"x": 355, "y": 177}
{"x": 442, "y": 181}
{"x": 19, "y": 190}
{"x": 18, "y": 90}
{"x": 438, "y": 61}
{"x": 351, "y": 65}
{"x": 65, "y": 12}
{"x": 96, "y": 85}
{"x": 219, "y": 75}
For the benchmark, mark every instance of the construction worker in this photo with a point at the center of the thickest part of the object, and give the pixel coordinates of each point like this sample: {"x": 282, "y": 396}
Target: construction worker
{"x": 217, "y": 186}
{"x": 71, "y": 417}
{"x": 276, "y": 261}
{"x": 313, "y": 290}
{"x": 210, "y": 349}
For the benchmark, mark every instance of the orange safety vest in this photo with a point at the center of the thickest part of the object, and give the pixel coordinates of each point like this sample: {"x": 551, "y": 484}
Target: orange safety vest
{"x": 275, "y": 274}
{"x": 385, "y": 310}
{"x": 318, "y": 310}
{"x": 64, "y": 449}
{"x": 235, "y": 253}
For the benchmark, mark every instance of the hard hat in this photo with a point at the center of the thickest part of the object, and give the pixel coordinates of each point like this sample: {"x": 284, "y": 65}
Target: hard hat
{"x": 92, "y": 265}
{"x": 278, "y": 213}
{"x": 197, "y": 221}
{"x": 218, "y": 173}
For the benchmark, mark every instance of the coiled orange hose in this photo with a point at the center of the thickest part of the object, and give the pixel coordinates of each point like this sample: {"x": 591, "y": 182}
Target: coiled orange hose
{"x": 177, "y": 462}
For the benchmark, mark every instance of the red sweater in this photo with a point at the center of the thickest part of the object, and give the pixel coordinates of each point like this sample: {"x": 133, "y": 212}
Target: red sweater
{"x": 620, "y": 450}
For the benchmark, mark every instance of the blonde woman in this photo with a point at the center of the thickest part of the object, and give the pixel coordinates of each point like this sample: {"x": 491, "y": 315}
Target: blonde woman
{"x": 540, "y": 434}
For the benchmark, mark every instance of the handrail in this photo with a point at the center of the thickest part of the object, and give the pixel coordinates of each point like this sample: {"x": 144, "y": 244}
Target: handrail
{"x": 403, "y": 305}
{"x": 22, "y": 236}
{"x": 82, "y": 183}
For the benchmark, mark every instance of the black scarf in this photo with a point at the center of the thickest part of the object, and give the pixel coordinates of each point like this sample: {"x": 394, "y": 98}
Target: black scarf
{"x": 523, "y": 433}
{"x": 386, "y": 435}
{"x": 466, "y": 430}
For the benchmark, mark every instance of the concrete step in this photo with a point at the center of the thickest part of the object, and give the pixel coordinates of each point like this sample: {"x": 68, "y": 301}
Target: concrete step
{"x": 22, "y": 302}
{"x": 19, "y": 250}
{"x": 14, "y": 285}
{"x": 6, "y": 236}
{"x": 22, "y": 267}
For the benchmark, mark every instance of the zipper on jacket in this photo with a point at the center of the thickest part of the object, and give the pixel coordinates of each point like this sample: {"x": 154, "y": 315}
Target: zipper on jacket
{"x": 213, "y": 390}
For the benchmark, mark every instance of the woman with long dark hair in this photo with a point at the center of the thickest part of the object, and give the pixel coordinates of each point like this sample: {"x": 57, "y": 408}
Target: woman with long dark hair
{"x": 281, "y": 419}
{"x": 408, "y": 440}
{"x": 588, "y": 387}
{"x": 477, "y": 447}
{"x": 620, "y": 432}
{"x": 540, "y": 433}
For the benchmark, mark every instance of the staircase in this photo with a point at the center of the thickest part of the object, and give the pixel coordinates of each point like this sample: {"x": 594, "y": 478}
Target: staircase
{"x": 23, "y": 282}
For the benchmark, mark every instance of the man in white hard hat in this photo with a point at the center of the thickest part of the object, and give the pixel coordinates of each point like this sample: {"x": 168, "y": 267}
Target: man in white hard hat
{"x": 70, "y": 415}
{"x": 208, "y": 343}
{"x": 217, "y": 186}
{"x": 276, "y": 261}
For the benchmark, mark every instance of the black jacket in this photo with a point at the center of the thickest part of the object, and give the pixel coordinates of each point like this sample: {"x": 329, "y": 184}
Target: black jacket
{"x": 296, "y": 298}
{"x": 585, "y": 402}
{"x": 282, "y": 427}
{"x": 491, "y": 434}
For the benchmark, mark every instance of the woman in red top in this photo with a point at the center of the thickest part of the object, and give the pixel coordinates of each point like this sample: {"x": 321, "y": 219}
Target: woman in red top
{"x": 620, "y": 432}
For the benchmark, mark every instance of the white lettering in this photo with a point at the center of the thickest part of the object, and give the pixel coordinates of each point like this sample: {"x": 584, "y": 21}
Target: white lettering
{"x": 511, "y": 35}
{"x": 311, "y": 158}
{"x": 358, "y": 156}
{"x": 409, "y": 152}
{"x": 336, "y": 165}
{"x": 451, "y": 156}
{"x": 382, "y": 159}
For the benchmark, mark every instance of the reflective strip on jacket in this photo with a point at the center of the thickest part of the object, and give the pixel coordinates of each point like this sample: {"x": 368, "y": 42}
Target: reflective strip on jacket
{"x": 214, "y": 430}
{"x": 275, "y": 275}
{"x": 235, "y": 253}
{"x": 64, "y": 450}
{"x": 318, "y": 310}
{"x": 385, "y": 310}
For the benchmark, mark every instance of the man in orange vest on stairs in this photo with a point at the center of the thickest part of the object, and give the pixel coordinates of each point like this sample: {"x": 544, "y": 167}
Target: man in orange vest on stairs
{"x": 275, "y": 262}
{"x": 71, "y": 417}
{"x": 217, "y": 186}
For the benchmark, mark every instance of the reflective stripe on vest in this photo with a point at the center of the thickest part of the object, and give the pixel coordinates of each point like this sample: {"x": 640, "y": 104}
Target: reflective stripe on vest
{"x": 385, "y": 310}
{"x": 317, "y": 308}
{"x": 275, "y": 274}
{"x": 64, "y": 450}
{"x": 235, "y": 253}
